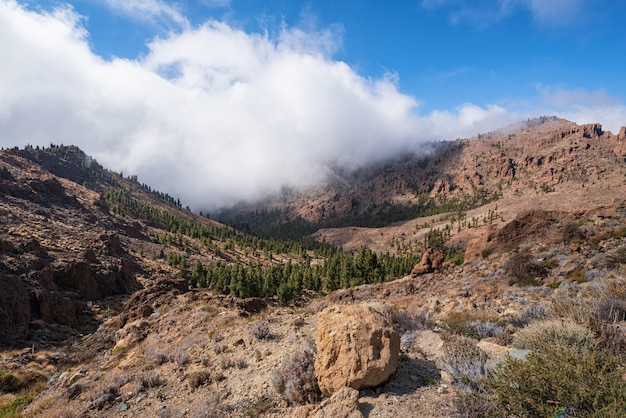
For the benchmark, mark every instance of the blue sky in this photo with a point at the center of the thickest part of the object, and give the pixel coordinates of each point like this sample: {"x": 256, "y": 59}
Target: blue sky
{"x": 444, "y": 52}
{"x": 173, "y": 90}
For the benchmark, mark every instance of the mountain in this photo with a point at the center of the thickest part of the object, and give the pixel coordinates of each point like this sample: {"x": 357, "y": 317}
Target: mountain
{"x": 116, "y": 300}
{"x": 541, "y": 154}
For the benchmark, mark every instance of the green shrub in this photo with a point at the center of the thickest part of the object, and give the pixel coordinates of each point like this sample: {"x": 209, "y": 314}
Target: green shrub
{"x": 551, "y": 382}
{"x": 555, "y": 334}
{"x": 12, "y": 409}
{"x": 486, "y": 252}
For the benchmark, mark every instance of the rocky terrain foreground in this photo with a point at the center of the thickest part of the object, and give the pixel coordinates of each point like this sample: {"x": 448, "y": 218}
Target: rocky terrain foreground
{"x": 518, "y": 308}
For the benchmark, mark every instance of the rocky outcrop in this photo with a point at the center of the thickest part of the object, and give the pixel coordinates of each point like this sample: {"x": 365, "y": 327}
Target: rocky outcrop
{"x": 251, "y": 306}
{"x": 432, "y": 260}
{"x": 144, "y": 302}
{"x": 357, "y": 347}
{"x": 14, "y": 309}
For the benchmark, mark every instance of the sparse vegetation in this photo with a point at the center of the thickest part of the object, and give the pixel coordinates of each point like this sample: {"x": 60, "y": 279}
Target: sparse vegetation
{"x": 555, "y": 334}
{"x": 261, "y": 330}
{"x": 200, "y": 354}
{"x": 295, "y": 380}
{"x": 556, "y": 380}
{"x": 199, "y": 378}
{"x": 465, "y": 363}
{"x": 524, "y": 271}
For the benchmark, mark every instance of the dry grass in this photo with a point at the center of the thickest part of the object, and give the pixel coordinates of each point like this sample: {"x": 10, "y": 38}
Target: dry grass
{"x": 555, "y": 334}
{"x": 295, "y": 380}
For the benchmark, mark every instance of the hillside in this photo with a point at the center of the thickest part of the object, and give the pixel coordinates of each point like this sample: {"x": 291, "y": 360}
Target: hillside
{"x": 540, "y": 155}
{"x": 118, "y": 301}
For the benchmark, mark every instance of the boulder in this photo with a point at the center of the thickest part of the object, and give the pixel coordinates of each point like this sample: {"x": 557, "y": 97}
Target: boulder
{"x": 357, "y": 347}
{"x": 431, "y": 261}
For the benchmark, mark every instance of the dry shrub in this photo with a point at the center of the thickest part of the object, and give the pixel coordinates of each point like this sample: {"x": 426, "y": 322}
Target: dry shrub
{"x": 618, "y": 257}
{"x": 612, "y": 338}
{"x": 261, "y": 330}
{"x": 405, "y": 321}
{"x": 199, "y": 378}
{"x": 227, "y": 362}
{"x": 213, "y": 407}
{"x": 10, "y": 383}
{"x": 295, "y": 380}
{"x": 533, "y": 313}
{"x": 523, "y": 270}
{"x": 458, "y": 323}
{"x": 471, "y": 324}
{"x": 474, "y": 405}
{"x": 572, "y": 232}
{"x": 610, "y": 308}
{"x": 150, "y": 380}
{"x": 555, "y": 334}
{"x": 465, "y": 363}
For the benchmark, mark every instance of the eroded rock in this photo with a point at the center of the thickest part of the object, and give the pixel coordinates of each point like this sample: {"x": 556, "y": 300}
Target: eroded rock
{"x": 357, "y": 347}
{"x": 432, "y": 260}
{"x": 14, "y": 309}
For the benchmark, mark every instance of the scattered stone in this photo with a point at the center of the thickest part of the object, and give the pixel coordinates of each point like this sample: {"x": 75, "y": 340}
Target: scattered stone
{"x": 343, "y": 404}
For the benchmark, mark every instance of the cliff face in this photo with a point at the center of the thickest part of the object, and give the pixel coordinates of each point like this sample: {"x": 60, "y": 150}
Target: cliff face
{"x": 59, "y": 247}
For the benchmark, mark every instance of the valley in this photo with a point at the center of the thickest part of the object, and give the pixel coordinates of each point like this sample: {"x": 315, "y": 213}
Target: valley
{"x": 118, "y": 301}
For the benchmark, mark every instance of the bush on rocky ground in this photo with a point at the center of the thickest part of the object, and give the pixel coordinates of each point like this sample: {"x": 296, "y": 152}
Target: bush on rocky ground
{"x": 295, "y": 380}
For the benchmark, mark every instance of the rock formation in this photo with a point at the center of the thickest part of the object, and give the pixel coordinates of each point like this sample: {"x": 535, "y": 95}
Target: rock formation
{"x": 356, "y": 347}
{"x": 431, "y": 261}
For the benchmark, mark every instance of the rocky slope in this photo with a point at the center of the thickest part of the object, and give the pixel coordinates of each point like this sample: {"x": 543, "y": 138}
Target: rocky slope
{"x": 97, "y": 317}
{"x": 544, "y": 154}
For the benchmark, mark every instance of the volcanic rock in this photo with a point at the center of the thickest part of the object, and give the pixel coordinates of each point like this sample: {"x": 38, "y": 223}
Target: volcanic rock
{"x": 431, "y": 261}
{"x": 356, "y": 347}
{"x": 14, "y": 309}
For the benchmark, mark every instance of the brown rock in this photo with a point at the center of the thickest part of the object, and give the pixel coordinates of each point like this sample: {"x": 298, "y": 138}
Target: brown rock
{"x": 143, "y": 302}
{"x": 14, "y": 309}
{"x": 343, "y": 404}
{"x": 356, "y": 347}
{"x": 57, "y": 307}
{"x": 252, "y": 305}
{"x": 431, "y": 261}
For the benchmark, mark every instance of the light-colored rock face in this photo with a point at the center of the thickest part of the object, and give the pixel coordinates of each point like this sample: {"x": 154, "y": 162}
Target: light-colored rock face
{"x": 357, "y": 347}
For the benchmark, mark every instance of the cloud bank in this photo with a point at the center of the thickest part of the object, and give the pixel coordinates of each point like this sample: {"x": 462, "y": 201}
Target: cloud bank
{"x": 212, "y": 114}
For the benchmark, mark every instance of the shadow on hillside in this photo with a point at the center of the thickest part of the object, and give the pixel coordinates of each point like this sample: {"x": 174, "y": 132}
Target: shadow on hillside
{"x": 412, "y": 374}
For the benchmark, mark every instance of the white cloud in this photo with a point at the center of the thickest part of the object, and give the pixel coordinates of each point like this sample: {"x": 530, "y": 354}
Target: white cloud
{"x": 559, "y": 12}
{"x": 154, "y": 11}
{"x": 488, "y": 12}
{"x": 560, "y": 98}
{"x": 211, "y": 114}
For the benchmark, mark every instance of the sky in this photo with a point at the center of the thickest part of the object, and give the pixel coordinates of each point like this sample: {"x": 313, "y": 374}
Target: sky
{"x": 219, "y": 101}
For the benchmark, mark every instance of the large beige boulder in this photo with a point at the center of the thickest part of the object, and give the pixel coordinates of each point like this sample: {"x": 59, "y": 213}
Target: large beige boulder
{"x": 357, "y": 347}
